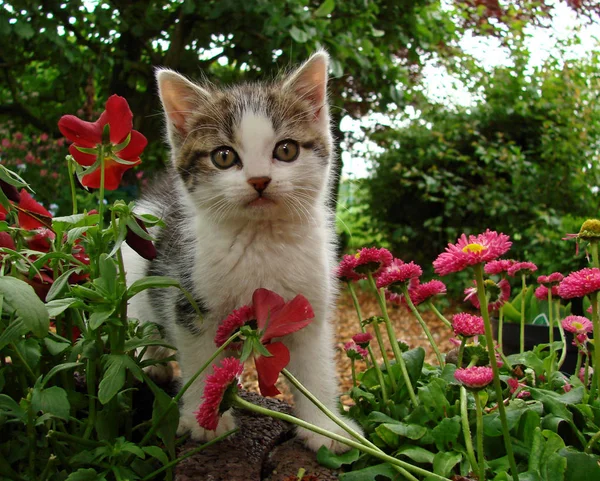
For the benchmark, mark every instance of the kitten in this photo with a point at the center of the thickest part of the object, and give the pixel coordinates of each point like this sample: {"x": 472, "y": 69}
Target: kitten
{"x": 244, "y": 203}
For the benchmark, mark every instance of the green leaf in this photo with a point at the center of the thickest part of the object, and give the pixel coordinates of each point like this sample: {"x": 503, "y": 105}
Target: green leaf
{"x": 298, "y": 35}
{"x": 87, "y": 474}
{"x": 113, "y": 378}
{"x": 30, "y": 350}
{"x": 98, "y": 317}
{"x": 580, "y": 466}
{"x": 59, "y": 284}
{"x": 331, "y": 460}
{"x": 446, "y": 432}
{"x": 325, "y": 8}
{"x": 410, "y": 431}
{"x": 9, "y": 406}
{"x": 137, "y": 342}
{"x": 372, "y": 473}
{"x": 13, "y": 332}
{"x": 168, "y": 427}
{"x": 58, "y": 306}
{"x": 150, "y": 282}
{"x": 58, "y": 368}
{"x": 444, "y": 462}
{"x": 417, "y": 454}
{"x": 52, "y": 400}
{"x": 23, "y": 299}
{"x": 75, "y": 220}
{"x": 157, "y": 453}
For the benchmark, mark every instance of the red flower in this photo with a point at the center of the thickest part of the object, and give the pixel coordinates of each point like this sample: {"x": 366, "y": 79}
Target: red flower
{"x": 471, "y": 250}
{"x": 6, "y": 241}
{"x": 362, "y": 339}
{"x": 121, "y": 150}
{"x": 580, "y": 283}
{"x": 476, "y": 377}
{"x": 521, "y": 268}
{"x": 225, "y": 378}
{"x": 552, "y": 280}
{"x": 542, "y": 292}
{"x": 10, "y": 191}
{"x": 354, "y": 351}
{"x": 419, "y": 293}
{"x": 367, "y": 260}
{"x": 41, "y": 240}
{"x": 232, "y": 323}
{"x": 498, "y": 294}
{"x": 467, "y": 325}
{"x": 345, "y": 271}
{"x": 398, "y": 272}
{"x": 577, "y": 324}
{"x": 32, "y": 214}
{"x": 498, "y": 267}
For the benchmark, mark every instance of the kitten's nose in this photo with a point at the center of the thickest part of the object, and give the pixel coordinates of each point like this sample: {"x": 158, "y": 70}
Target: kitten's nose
{"x": 259, "y": 183}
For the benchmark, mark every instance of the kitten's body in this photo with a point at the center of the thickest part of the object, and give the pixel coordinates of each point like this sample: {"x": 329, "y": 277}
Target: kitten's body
{"x": 226, "y": 237}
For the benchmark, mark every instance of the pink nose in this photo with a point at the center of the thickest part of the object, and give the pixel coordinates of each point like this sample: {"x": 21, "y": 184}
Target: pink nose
{"x": 259, "y": 183}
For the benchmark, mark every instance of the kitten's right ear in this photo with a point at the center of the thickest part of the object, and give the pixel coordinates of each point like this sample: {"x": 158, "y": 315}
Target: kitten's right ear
{"x": 180, "y": 98}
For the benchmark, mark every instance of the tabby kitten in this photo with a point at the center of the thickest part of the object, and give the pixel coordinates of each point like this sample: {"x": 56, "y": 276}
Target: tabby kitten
{"x": 244, "y": 203}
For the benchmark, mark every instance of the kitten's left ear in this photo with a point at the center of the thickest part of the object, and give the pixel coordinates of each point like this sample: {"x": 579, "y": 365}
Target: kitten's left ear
{"x": 310, "y": 82}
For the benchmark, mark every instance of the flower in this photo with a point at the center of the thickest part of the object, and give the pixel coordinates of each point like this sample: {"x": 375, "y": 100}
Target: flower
{"x": 590, "y": 230}
{"x": 143, "y": 247}
{"x": 10, "y": 191}
{"x": 223, "y": 381}
{"x": 362, "y": 339}
{"x": 471, "y": 250}
{"x": 577, "y": 324}
{"x": 122, "y": 146}
{"x": 580, "y": 283}
{"x": 542, "y": 292}
{"x": 582, "y": 375}
{"x": 467, "y": 325}
{"x": 398, "y": 272}
{"x": 41, "y": 240}
{"x": 419, "y": 293}
{"x": 32, "y": 214}
{"x": 476, "y": 377}
{"x": 232, "y": 323}
{"x": 345, "y": 271}
{"x": 354, "y": 351}
{"x": 498, "y": 293}
{"x": 498, "y": 267}
{"x": 371, "y": 260}
{"x": 515, "y": 385}
{"x": 6, "y": 241}
{"x": 521, "y": 268}
{"x": 552, "y": 280}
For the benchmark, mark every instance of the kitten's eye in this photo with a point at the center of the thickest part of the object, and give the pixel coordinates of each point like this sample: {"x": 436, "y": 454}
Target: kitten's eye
{"x": 224, "y": 157}
{"x": 286, "y": 150}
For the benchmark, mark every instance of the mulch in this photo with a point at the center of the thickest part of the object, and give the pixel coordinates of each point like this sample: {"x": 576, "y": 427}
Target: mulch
{"x": 346, "y": 325}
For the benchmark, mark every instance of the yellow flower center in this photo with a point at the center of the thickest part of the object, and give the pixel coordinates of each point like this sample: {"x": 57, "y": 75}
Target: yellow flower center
{"x": 475, "y": 248}
{"x": 357, "y": 255}
{"x": 590, "y": 230}
{"x": 578, "y": 325}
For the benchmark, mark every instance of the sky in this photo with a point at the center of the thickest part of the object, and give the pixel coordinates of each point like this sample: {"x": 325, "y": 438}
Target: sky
{"x": 441, "y": 87}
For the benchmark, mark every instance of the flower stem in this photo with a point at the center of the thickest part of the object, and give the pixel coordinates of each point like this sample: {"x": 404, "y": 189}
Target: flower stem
{"x": 593, "y": 440}
{"x": 522, "y": 336}
{"x": 353, "y": 372}
{"x": 461, "y": 352}
{"x": 359, "y": 313}
{"x": 386, "y": 361}
{"x": 242, "y": 403}
{"x": 426, "y": 330}
{"x": 596, "y": 323}
{"x": 563, "y": 354}
{"x": 439, "y": 315}
{"x": 72, "y": 183}
{"x": 464, "y": 419}
{"x": 191, "y": 452}
{"x": 500, "y": 327}
{"x": 379, "y": 374}
{"x": 478, "y": 268}
{"x": 480, "y": 454}
{"x": 101, "y": 191}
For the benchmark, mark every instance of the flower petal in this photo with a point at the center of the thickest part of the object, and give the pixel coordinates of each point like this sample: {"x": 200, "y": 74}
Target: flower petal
{"x": 268, "y": 368}
{"x": 81, "y": 157}
{"x": 27, "y": 221}
{"x": 291, "y": 317}
{"x": 113, "y": 173}
{"x": 85, "y": 134}
{"x": 265, "y": 303}
{"x": 134, "y": 148}
{"x": 120, "y": 118}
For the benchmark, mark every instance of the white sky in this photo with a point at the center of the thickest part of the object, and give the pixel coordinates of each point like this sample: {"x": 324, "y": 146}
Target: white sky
{"x": 441, "y": 87}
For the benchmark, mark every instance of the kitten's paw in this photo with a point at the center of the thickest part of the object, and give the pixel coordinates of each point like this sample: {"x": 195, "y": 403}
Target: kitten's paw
{"x": 314, "y": 441}
{"x": 189, "y": 424}
{"x": 161, "y": 373}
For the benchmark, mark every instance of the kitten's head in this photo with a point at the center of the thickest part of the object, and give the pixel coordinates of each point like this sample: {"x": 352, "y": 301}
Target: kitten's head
{"x": 257, "y": 151}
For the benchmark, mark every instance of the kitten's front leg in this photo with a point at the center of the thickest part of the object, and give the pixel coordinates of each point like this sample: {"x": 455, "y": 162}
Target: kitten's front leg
{"x": 312, "y": 363}
{"x": 194, "y": 351}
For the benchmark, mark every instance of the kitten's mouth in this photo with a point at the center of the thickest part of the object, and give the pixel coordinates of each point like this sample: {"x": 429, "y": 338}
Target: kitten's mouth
{"x": 261, "y": 201}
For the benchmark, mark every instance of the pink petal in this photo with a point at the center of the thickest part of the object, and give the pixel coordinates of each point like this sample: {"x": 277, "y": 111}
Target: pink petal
{"x": 292, "y": 317}
{"x": 268, "y": 368}
{"x": 265, "y": 303}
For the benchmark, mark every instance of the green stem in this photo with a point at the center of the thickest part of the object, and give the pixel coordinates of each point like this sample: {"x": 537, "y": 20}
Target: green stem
{"x": 24, "y": 362}
{"x": 74, "y": 439}
{"x": 439, "y": 315}
{"x": 522, "y": 334}
{"x": 593, "y": 440}
{"x": 551, "y": 331}
{"x": 386, "y": 361}
{"x": 101, "y": 191}
{"x": 360, "y": 318}
{"x": 31, "y": 435}
{"x": 239, "y": 402}
{"x": 91, "y": 393}
{"x": 464, "y": 419}
{"x": 596, "y": 323}
{"x": 72, "y": 183}
{"x": 175, "y": 400}
{"x": 563, "y": 338}
{"x": 594, "y": 249}
{"x": 191, "y": 452}
{"x": 578, "y": 363}
{"x": 478, "y": 268}
{"x": 461, "y": 352}
{"x": 480, "y": 453}
{"x": 123, "y": 326}
{"x": 500, "y": 328}
{"x": 426, "y": 330}
{"x": 353, "y": 372}
{"x": 379, "y": 374}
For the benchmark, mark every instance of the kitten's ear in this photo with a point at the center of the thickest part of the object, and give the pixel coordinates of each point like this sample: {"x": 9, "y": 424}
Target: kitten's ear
{"x": 180, "y": 98}
{"x": 310, "y": 82}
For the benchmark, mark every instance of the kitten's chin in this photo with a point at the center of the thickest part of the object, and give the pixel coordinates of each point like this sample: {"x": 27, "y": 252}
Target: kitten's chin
{"x": 261, "y": 203}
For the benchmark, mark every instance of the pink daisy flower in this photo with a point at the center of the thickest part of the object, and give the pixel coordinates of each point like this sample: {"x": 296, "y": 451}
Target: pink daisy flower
{"x": 580, "y": 283}
{"x": 345, "y": 270}
{"x": 362, "y": 339}
{"x": 419, "y": 293}
{"x": 372, "y": 259}
{"x": 498, "y": 267}
{"x": 542, "y": 292}
{"x": 223, "y": 380}
{"x": 354, "y": 351}
{"x": 471, "y": 250}
{"x": 476, "y": 377}
{"x": 467, "y": 325}
{"x": 232, "y": 323}
{"x": 395, "y": 298}
{"x": 521, "y": 268}
{"x": 549, "y": 281}
{"x": 498, "y": 294}
{"x": 398, "y": 272}
{"x": 577, "y": 324}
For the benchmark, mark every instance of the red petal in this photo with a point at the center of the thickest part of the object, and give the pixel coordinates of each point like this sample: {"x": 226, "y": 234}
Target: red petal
{"x": 292, "y": 317}
{"x": 120, "y": 118}
{"x": 134, "y": 148}
{"x": 85, "y": 134}
{"x": 268, "y": 368}
{"x": 113, "y": 173}
{"x": 80, "y": 157}
{"x": 6, "y": 241}
{"x": 27, "y": 221}
{"x": 265, "y": 303}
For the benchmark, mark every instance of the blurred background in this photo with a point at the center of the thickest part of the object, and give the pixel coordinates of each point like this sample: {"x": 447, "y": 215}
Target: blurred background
{"x": 451, "y": 116}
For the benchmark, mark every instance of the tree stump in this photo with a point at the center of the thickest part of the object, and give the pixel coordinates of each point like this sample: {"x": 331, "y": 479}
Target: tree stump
{"x": 264, "y": 449}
